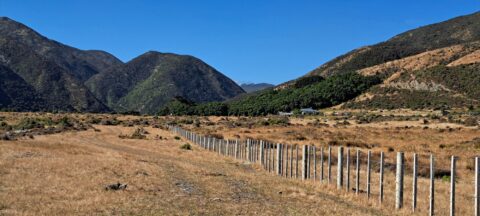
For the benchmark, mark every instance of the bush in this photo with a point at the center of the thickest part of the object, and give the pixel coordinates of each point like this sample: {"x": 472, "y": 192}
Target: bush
{"x": 29, "y": 123}
{"x": 471, "y": 122}
{"x": 186, "y": 146}
{"x": 177, "y": 137}
{"x": 5, "y": 126}
{"x": 139, "y": 133}
{"x": 65, "y": 122}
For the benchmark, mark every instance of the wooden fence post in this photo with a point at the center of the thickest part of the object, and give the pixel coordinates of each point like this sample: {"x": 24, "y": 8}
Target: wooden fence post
{"x": 357, "y": 173}
{"x": 321, "y": 164}
{"x": 381, "y": 179}
{"x": 329, "y": 164}
{"x": 291, "y": 161}
{"x": 340, "y": 168}
{"x": 252, "y": 151}
{"x": 347, "y": 183}
{"x": 399, "y": 181}
{"x": 272, "y": 155}
{"x": 452, "y": 186}
{"x": 304, "y": 162}
{"x": 268, "y": 157}
{"x": 314, "y": 153}
{"x": 477, "y": 187}
{"x": 414, "y": 182}
{"x": 369, "y": 170}
{"x": 262, "y": 156}
{"x": 215, "y": 149}
{"x": 432, "y": 186}
{"x": 308, "y": 160}
{"x": 279, "y": 159}
{"x": 296, "y": 164}
{"x": 285, "y": 159}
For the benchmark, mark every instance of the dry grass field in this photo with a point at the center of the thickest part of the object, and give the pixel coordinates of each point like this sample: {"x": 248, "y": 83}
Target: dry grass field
{"x": 66, "y": 172}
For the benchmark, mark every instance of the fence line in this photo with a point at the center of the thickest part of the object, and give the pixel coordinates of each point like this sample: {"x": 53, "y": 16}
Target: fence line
{"x": 283, "y": 160}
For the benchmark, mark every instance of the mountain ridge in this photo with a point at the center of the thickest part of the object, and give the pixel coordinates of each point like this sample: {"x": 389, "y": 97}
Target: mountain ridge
{"x": 67, "y": 78}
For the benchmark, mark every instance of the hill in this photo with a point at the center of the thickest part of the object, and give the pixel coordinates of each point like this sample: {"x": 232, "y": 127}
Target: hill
{"x": 455, "y": 31}
{"x": 43, "y": 74}
{"x": 253, "y": 87}
{"x": 24, "y": 98}
{"x": 427, "y": 67}
{"x": 81, "y": 63}
{"x": 149, "y": 81}
{"x": 435, "y": 66}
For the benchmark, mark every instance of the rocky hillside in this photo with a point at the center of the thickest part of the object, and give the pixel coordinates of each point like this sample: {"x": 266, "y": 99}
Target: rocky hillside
{"x": 151, "y": 80}
{"x": 415, "y": 66}
{"x": 42, "y": 74}
{"x": 455, "y": 31}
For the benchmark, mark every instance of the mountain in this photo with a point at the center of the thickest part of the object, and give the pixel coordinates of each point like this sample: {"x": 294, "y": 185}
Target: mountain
{"x": 428, "y": 67}
{"x": 42, "y": 74}
{"x": 54, "y": 72}
{"x": 151, "y": 80}
{"x": 253, "y": 87}
{"x": 82, "y": 64}
{"x": 455, "y": 31}
{"x": 432, "y": 67}
{"x": 24, "y": 98}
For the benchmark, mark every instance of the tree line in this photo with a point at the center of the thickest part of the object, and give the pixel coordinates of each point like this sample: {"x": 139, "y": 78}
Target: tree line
{"x": 316, "y": 92}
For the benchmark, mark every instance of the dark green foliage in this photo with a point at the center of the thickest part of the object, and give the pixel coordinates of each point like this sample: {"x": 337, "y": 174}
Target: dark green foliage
{"x": 463, "y": 80}
{"x": 211, "y": 109}
{"x": 392, "y": 98}
{"x": 18, "y": 95}
{"x": 325, "y": 93}
{"x": 186, "y": 146}
{"x": 65, "y": 122}
{"x": 30, "y": 123}
{"x": 305, "y": 81}
{"x": 5, "y": 126}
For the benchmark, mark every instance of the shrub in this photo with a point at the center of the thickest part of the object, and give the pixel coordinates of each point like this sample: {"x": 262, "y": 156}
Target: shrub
{"x": 177, "y": 137}
{"x": 186, "y": 146}
{"x": 5, "y": 126}
{"x": 29, "y": 123}
{"x": 139, "y": 133}
{"x": 471, "y": 122}
{"x": 65, "y": 122}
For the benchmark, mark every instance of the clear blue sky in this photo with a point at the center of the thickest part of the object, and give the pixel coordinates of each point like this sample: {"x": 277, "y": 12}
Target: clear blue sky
{"x": 248, "y": 40}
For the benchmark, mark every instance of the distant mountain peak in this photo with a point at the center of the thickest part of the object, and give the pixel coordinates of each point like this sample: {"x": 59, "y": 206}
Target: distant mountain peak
{"x": 253, "y": 87}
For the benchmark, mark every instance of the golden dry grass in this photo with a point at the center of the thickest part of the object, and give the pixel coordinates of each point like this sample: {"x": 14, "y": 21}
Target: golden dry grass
{"x": 440, "y": 139}
{"x": 65, "y": 174}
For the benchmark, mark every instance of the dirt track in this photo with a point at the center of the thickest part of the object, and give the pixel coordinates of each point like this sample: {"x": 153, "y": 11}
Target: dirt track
{"x": 66, "y": 174}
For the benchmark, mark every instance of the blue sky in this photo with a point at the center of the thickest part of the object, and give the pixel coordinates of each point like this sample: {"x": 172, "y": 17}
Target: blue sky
{"x": 249, "y": 40}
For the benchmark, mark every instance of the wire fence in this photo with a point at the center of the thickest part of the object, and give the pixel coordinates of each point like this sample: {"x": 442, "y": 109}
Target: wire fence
{"x": 420, "y": 182}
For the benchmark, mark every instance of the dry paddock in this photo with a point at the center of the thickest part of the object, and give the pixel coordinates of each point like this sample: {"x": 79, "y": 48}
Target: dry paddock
{"x": 65, "y": 174}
